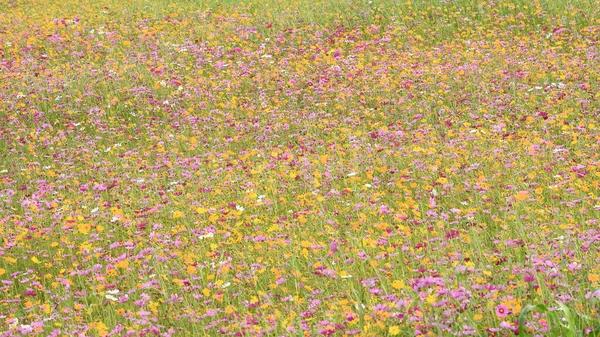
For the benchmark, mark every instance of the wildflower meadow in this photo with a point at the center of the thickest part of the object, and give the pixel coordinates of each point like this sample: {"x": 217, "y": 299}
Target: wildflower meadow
{"x": 299, "y": 168}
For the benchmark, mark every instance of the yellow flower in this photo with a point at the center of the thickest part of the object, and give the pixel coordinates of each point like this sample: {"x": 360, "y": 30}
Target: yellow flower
{"x": 123, "y": 264}
{"x": 102, "y": 328}
{"x": 593, "y": 278}
{"x": 84, "y": 228}
{"x": 398, "y": 284}
{"x": 178, "y": 214}
{"x": 394, "y": 330}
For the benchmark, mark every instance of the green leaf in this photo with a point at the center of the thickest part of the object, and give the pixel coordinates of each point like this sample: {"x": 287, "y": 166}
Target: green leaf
{"x": 571, "y": 326}
{"x": 595, "y": 332}
{"x": 552, "y": 316}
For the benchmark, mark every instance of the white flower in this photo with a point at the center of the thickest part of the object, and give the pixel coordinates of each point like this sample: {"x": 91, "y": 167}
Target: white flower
{"x": 239, "y": 208}
{"x": 206, "y": 236}
{"x": 94, "y": 210}
{"x": 225, "y": 285}
{"x": 111, "y": 297}
{"x": 362, "y": 306}
{"x": 352, "y": 174}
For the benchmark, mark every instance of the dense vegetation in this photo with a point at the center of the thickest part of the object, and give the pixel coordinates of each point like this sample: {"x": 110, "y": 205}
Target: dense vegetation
{"x": 299, "y": 168}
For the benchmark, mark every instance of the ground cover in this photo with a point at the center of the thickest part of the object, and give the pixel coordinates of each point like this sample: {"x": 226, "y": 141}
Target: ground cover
{"x": 299, "y": 168}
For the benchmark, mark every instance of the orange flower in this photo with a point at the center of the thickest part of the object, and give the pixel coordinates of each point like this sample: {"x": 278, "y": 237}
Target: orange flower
{"x": 522, "y": 195}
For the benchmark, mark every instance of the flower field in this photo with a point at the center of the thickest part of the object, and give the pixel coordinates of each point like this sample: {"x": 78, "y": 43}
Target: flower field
{"x": 299, "y": 168}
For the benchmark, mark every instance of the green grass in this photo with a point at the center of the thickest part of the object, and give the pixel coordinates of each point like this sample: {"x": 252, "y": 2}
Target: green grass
{"x": 299, "y": 168}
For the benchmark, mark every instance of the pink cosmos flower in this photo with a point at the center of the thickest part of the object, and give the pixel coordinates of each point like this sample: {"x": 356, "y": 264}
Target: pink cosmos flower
{"x": 501, "y": 311}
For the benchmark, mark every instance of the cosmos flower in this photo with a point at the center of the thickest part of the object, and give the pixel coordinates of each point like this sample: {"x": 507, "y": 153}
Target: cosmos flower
{"x": 262, "y": 170}
{"x": 501, "y": 311}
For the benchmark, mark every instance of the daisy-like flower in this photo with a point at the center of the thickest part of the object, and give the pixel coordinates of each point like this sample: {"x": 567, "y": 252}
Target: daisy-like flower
{"x": 502, "y": 311}
{"x": 206, "y": 236}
